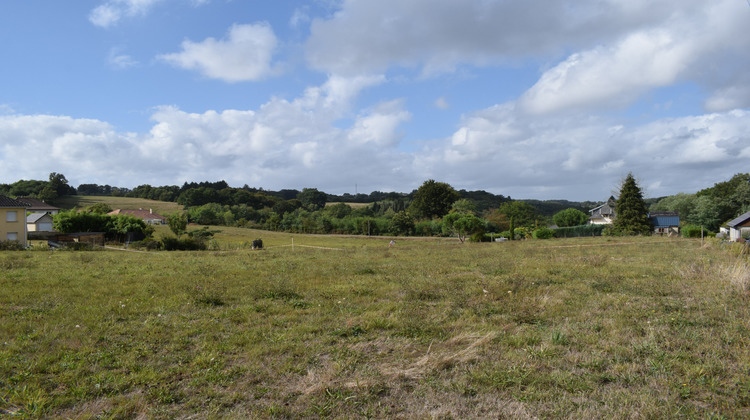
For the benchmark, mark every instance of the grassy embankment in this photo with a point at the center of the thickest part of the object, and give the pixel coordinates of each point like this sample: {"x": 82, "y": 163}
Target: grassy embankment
{"x": 82, "y": 201}
{"x": 648, "y": 328}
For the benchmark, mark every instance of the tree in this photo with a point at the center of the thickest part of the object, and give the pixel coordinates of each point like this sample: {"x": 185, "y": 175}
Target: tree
{"x": 463, "y": 206}
{"x": 462, "y": 224}
{"x": 570, "y": 217}
{"x": 631, "y": 212}
{"x": 433, "y": 199}
{"x": 100, "y": 208}
{"x": 312, "y": 199}
{"x": 177, "y": 223}
{"x": 707, "y": 213}
{"x": 523, "y": 214}
{"x": 682, "y": 203}
{"x": 60, "y": 185}
{"x": 402, "y": 223}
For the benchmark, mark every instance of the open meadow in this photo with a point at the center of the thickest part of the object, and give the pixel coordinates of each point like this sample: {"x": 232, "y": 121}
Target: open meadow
{"x": 348, "y": 327}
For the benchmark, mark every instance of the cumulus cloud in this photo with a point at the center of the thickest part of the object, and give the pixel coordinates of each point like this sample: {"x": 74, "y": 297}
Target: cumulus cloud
{"x": 282, "y": 144}
{"x": 439, "y": 35}
{"x": 615, "y": 75}
{"x": 244, "y": 55}
{"x": 505, "y": 149}
{"x": 612, "y": 51}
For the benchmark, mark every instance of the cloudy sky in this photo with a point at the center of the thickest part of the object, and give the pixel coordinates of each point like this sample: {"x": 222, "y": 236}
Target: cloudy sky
{"x": 547, "y": 99}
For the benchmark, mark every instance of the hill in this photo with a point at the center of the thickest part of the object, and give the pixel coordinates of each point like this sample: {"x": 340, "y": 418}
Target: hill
{"x": 82, "y": 201}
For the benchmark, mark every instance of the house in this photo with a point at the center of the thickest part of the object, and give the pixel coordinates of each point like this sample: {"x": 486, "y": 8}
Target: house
{"x": 39, "y": 222}
{"x": 38, "y": 206}
{"x": 147, "y": 215}
{"x": 665, "y": 222}
{"x": 604, "y": 214}
{"x": 12, "y": 220}
{"x": 739, "y": 227}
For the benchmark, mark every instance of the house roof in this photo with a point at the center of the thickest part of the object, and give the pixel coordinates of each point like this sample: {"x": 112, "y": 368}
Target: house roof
{"x": 606, "y": 208}
{"x": 664, "y": 219}
{"x": 740, "y": 220}
{"x": 35, "y": 217}
{"x": 9, "y": 202}
{"x": 139, "y": 213}
{"x": 34, "y": 204}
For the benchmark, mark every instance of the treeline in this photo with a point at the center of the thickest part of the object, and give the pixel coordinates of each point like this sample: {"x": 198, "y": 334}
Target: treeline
{"x": 711, "y": 207}
{"x": 47, "y": 191}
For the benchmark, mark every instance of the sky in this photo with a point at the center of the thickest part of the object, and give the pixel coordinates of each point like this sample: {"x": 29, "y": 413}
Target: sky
{"x": 536, "y": 99}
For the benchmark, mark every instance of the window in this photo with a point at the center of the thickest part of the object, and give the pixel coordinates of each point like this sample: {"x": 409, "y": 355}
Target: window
{"x": 12, "y": 236}
{"x": 11, "y": 216}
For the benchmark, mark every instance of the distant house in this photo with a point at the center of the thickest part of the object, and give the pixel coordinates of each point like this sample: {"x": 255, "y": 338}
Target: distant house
{"x": 38, "y": 206}
{"x": 739, "y": 227}
{"x": 604, "y": 214}
{"x": 39, "y": 222}
{"x": 147, "y": 215}
{"x": 665, "y": 222}
{"x": 12, "y": 220}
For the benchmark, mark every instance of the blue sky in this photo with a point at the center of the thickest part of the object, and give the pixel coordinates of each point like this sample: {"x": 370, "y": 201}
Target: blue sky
{"x": 533, "y": 99}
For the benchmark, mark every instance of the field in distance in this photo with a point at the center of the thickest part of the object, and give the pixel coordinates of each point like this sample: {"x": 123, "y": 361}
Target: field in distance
{"x": 586, "y": 328}
{"x": 82, "y": 201}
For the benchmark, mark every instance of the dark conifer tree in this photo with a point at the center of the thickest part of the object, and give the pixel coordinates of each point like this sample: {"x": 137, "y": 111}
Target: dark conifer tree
{"x": 631, "y": 211}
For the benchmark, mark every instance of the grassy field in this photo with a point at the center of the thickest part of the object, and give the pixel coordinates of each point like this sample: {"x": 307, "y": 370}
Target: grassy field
{"x": 82, "y": 201}
{"x": 587, "y": 328}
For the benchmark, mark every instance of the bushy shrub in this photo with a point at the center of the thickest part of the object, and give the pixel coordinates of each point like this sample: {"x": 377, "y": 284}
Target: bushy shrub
{"x": 147, "y": 244}
{"x": 578, "y": 231}
{"x": 78, "y": 246}
{"x": 428, "y": 228}
{"x": 479, "y": 236}
{"x": 543, "y": 233}
{"x": 10, "y": 246}
{"x": 171, "y": 243}
{"x": 691, "y": 231}
{"x": 522, "y": 233}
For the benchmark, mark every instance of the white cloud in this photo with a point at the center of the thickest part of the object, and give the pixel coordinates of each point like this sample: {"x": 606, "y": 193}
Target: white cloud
{"x": 120, "y": 61}
{"x": 109, "y": 13}
{"x": 504, "y": 149}
{"x": 292, "y": 144}
{"x": 613, "y": 51}
{"x": 244, "y": 55}
{"x": 442, "y": 103}
{"x": 380, "y": 126}
{"x": 615, "y": 75}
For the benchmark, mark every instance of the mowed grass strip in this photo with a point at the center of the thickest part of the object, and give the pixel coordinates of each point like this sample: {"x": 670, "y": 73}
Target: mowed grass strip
{"x": 638, "y": 328}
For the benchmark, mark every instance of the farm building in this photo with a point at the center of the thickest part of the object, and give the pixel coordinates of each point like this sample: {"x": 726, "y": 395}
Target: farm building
{"x": 739, "y": 227}
{"x": 147, "y": 215}
{"x": 604, "y": 214}
{"x": 665, "y": 222}
{"x": 12, "y": 220}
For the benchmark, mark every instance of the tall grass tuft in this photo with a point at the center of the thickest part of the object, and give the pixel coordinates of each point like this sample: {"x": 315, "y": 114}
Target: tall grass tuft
{"x": 738, "y": 275}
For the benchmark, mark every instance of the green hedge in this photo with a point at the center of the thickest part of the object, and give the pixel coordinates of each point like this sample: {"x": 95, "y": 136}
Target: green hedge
{"x": 578, "y": 231}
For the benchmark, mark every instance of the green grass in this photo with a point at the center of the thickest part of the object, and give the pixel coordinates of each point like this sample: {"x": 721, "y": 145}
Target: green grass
{"x": 588, "y": 328}
{"x": 82, "y": 201}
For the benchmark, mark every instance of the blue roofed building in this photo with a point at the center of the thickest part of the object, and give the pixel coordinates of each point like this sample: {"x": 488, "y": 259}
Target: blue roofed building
{"x": 665, "y": 222}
